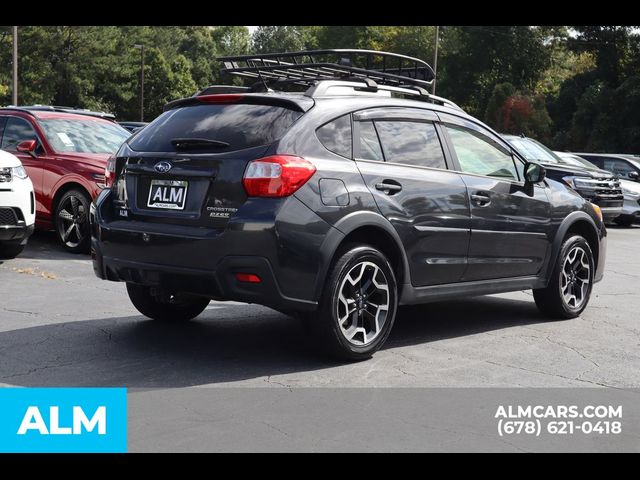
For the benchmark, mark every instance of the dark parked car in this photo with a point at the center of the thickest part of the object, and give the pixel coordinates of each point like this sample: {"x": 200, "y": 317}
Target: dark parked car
{"x": 65, "y": 153}
{"x": 599, "y": 186}
{"x": 626, "y": 166}
{"x": 337, "y": 204}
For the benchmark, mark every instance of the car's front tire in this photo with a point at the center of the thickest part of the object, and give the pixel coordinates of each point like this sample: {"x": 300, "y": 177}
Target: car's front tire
{"x": 164, "y": 306}
{"x": 72, "y": 221}
{"x": 359, "y": 304}
{"x": 8, "y": 251}
{"x": 569, "y": 289}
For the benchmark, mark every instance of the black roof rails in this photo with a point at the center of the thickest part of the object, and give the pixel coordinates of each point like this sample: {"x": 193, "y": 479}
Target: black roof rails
{"x": 56, "y": 108}
{"x": 307, "y": 67}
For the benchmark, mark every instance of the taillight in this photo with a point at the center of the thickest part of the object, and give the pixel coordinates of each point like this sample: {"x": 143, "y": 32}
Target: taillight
{"x": 110, "y": 171}
{"x": 277, "y": 176}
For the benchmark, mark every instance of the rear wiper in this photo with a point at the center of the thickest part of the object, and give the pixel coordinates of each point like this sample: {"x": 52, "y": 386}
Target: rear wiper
{"x": 186, "y": 143}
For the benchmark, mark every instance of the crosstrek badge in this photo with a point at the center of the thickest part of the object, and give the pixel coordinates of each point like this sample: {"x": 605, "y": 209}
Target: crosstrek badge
{"x": 63, "y": 420}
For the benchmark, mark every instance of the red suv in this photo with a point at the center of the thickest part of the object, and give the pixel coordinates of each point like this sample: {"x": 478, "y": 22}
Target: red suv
{"x": 65, "y": 152}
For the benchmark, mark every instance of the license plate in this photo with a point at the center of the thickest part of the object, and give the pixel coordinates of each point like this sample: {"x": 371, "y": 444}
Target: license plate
{"x": 168, "y": 194}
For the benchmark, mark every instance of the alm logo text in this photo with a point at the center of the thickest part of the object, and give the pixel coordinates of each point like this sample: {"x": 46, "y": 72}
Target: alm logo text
{"x": 34, "y": 421}
{"x": 63, "y": 420}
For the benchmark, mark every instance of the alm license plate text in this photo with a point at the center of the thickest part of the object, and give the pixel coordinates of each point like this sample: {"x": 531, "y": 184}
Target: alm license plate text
{"x": 168, "y": 194}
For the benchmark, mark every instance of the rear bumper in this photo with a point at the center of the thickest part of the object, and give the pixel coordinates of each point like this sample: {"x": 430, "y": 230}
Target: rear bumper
{"x": 217, "y": 284}
{"x": 273, "y": 243}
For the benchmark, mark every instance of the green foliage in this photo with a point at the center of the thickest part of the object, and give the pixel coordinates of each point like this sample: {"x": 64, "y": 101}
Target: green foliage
{"x": 475, "y": 59}
{"x": 269, "y": 39}
{"x": 515, "y": 112}
{"x": 573, "y": 87}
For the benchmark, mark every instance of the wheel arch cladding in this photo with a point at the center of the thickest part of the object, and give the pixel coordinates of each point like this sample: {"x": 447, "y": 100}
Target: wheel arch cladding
{"x": 379, "y": 238}
{"x": 577, "y": 223}
{"x": 586, "y": 230}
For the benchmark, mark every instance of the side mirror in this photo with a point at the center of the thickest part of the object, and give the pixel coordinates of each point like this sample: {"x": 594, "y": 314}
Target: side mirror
{"x": 534, "y": 173}
{"x": 28, "y": 146}
{"x": 633, "y": 176}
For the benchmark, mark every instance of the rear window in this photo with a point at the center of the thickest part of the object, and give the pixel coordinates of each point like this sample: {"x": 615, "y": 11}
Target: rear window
{"x": 336, "y": 136}
{"x": 238, "y": 125}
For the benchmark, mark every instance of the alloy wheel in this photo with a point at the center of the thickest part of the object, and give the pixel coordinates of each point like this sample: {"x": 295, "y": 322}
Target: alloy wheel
{"x": 72, "y": 219}
{"x": 575, "y": 277}
{"x": 363, "y": 303}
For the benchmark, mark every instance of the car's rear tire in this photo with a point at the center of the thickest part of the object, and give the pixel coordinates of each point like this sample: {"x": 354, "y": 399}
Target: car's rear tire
{"x": 72, "y": 221}
{"x": 9, "y": 251}
{"x": 358, "y": 306}
{"x": 569, "y": 289}
{"x": 163, "y": 306}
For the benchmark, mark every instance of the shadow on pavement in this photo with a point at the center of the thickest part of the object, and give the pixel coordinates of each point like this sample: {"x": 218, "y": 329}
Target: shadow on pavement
{"x": 43, "y": 245}
{"x": 220, "y": 346}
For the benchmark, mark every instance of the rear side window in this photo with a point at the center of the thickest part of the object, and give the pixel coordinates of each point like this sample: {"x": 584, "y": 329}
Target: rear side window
{"x": 411, "y": 143}
{"x": 234, "y": 127}
{"x": 336, "y": 136}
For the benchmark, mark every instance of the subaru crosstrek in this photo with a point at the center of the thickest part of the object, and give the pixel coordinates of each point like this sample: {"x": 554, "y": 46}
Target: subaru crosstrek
{"x": 337, "y": 205}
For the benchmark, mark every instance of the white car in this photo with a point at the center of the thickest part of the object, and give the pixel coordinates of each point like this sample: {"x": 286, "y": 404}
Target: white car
{"x": 631, "y": 206}
{"x": 17, "y": 206}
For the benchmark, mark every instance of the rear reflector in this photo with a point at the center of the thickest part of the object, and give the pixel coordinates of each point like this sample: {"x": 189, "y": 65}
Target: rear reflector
{"x": 248, "y": 278}
{"x": 277, "y": 176}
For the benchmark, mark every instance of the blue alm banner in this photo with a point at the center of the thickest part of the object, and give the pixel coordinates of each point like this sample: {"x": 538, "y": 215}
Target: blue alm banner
{"x": 63, "y": 420}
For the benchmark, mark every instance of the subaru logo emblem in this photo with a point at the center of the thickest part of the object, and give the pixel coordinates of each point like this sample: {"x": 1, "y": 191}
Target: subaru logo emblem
{"x": 162, "y": 167}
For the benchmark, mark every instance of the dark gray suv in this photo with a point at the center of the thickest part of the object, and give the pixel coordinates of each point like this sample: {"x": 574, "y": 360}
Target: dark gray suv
{"x": 337, "y": 203}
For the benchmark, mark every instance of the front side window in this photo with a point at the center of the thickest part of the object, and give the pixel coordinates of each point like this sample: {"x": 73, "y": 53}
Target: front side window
{"x": 17, "y": 130}
{"x": 480, "y": 157}
{"x": 83, "y": 136}
{"x": 336, "y": 136}
{"x": 411, "y": 143}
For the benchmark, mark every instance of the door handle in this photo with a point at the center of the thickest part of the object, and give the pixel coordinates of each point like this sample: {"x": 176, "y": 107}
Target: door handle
{"x": 481, "y": 199}
{"x": 389, "y": 187}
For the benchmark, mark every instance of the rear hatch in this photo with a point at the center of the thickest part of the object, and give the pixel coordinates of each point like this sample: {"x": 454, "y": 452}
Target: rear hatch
{"x": 187, "y": 166}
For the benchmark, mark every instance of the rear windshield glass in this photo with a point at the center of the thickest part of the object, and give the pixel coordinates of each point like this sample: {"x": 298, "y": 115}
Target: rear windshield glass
{"x": 238, "y": 125}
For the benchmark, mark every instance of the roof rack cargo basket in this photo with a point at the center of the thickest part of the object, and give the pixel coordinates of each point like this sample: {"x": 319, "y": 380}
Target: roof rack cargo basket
{"x": 306, "y": 67}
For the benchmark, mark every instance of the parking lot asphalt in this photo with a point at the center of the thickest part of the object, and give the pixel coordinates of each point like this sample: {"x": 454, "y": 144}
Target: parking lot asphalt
{"x": 62, "y": 326}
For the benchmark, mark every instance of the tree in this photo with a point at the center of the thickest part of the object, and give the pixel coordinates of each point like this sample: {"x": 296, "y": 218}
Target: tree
{"x": 475, "y": 59}
{"x": 232, "y": 40}
{"x": 272, "y": 39}
{"x": 609, "y": 44}
{"x": 515, "y": 112}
